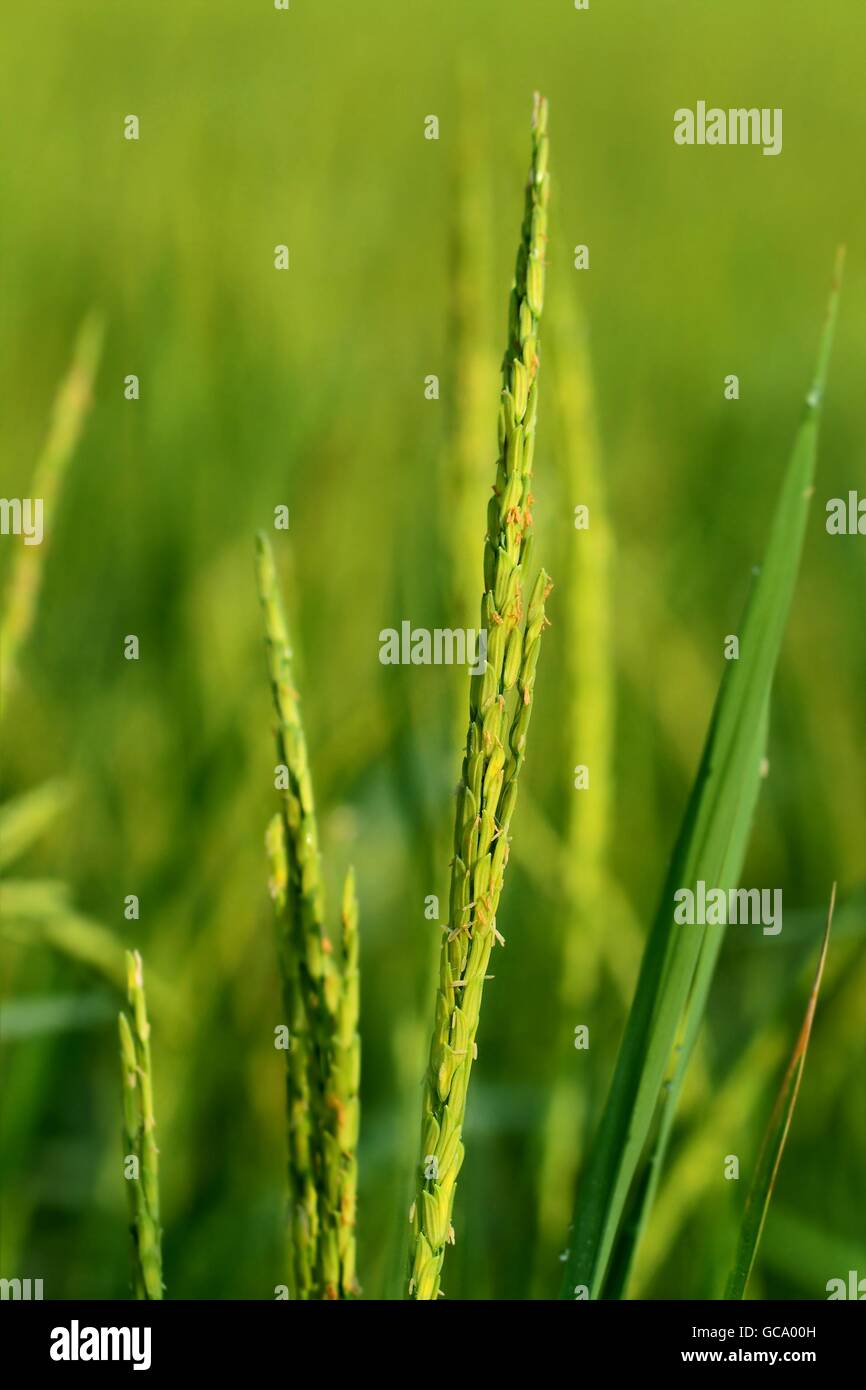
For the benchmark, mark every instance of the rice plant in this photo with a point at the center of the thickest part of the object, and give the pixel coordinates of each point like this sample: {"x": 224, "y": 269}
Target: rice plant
{"x": 141, "y": 1156}
{"x": 640, "y": 1195}
{"x": 495, "y": 749}
{"x": 320, "y": 994}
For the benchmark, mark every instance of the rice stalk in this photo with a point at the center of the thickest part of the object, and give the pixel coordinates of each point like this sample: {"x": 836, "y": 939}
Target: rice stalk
{"x": 139, "y": 1138}
{"x": 67, "y": 421}
{"x": 462, "y": 477}
{"x": 348, "y": 1066}
{"x": 320, "y": 987}
{"x": 303, "y": 1196}
{"x": 495, "y": 750}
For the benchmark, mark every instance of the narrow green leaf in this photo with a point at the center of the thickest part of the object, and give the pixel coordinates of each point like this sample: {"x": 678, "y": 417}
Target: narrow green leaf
{"x": 710, "y": 847}
{"x": 775, "y": 1138}
{"x": 643, "y": 1199}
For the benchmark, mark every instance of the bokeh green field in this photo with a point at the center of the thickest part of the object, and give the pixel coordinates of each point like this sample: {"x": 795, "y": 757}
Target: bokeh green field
{"x": 307, "y": 388}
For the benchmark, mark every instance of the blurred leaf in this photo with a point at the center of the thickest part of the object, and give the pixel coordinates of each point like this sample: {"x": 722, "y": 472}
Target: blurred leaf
{"x": 32, "y": 899}
{"x": 694, "y": 1171}
{"x": 76, "y": 937}
{"x": 799, "y": 1248}
{"x": 24, "y": 819}
{"x": 71, "y": 406}
{"x": 59, "y": 1013}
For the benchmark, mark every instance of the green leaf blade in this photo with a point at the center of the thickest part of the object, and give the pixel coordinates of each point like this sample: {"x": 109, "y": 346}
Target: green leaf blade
{"x": 718, "y": 816}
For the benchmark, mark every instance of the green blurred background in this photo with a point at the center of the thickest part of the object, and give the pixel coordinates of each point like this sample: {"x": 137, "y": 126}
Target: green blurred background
{"x": 307, "y": 388}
